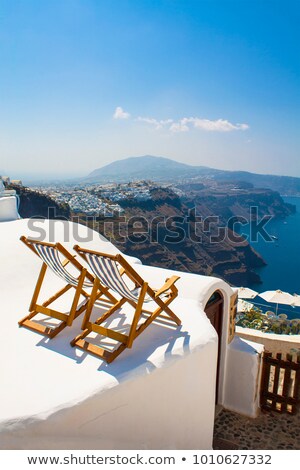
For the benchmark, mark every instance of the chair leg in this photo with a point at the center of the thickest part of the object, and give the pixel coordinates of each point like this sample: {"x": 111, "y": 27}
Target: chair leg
{"x": 137, "y": 314}
{"x": 90, "y": 304}
{"x": 38, "y": 287}
{"x": 88, "y": 326}
{"x": 165, "y": 308}
{"x": 73, "y": 310}
{"x": 66, "y": 320}
{"x": 79, "y": 341}
{"x": 154, "y": 315}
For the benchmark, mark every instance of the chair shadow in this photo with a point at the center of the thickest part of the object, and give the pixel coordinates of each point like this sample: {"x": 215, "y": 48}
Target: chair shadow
{"x": 138, "y": 357}
{"x": 160, "y": 333}
{"x": 61, "y": 343}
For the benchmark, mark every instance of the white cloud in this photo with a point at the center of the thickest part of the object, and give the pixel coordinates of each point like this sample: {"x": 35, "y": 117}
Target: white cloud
{"x": 185, "y": 124}
{"x": 219, "y": 125}
{"x": 120, "y": 113}
{"x": 154, "y": 122}
{"x": 180, "y": 126}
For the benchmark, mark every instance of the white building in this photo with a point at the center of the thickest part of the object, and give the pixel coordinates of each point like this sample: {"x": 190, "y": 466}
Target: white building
{"x": 161, "y": 394}
{"x": 17, "y": 182}
{"x": 6, "y": 179}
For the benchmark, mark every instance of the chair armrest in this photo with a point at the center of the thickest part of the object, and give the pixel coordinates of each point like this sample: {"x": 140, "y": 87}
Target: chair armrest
{"x": 167, "y": 285}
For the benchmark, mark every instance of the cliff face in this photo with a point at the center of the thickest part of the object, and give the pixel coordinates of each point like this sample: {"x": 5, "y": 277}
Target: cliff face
{"x": 192, "y": 233}
{"x": 241, "y": 203}
{"x": 166, "y": 231}
{"x": 33, "y": 204}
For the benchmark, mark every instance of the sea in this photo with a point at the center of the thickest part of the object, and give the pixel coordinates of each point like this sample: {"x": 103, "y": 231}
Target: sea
{"x": 282, "y": 256}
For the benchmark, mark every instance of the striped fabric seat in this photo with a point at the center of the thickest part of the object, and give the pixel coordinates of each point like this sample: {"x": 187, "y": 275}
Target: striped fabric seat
{"x": 106, "y": 270}
{"x": 50, "y": 256}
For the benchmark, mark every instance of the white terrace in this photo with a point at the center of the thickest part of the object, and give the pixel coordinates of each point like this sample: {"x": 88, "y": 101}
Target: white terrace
{"x": 160, "y": 394}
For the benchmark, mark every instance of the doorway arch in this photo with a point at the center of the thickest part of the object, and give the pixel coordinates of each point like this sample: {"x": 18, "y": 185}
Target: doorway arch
{"x": 214, "y": 310}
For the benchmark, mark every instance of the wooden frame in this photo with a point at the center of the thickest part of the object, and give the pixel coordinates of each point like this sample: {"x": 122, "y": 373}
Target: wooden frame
{"x": 280, "y": 383}
{"x": 66, "y": 319}
{"x": 232, "y": 316}
{"x": 125, "y": 341}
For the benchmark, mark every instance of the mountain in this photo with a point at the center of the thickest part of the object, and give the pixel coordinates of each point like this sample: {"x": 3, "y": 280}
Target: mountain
{"x": 148, "y": 167}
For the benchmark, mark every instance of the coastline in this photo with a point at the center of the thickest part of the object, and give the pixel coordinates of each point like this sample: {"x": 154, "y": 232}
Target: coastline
{"x": 282, "y": 256}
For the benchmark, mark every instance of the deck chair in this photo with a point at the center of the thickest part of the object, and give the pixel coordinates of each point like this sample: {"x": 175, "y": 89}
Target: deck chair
{"x": 56, "y": 257}
{"x": 109, "y": 271}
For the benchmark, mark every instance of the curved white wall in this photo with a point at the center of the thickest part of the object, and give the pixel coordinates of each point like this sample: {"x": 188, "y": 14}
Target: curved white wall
{"x": 169, "y": 408}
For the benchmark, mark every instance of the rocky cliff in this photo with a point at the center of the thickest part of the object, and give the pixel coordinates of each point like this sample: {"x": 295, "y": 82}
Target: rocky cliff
{"x": 191, "y": 233}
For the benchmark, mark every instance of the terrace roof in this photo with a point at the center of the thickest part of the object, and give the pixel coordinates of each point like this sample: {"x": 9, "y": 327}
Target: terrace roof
{"x": 41, "y": 376}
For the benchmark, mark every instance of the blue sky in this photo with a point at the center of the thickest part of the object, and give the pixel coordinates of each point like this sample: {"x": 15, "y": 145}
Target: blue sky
{"x": 86, "y": 82}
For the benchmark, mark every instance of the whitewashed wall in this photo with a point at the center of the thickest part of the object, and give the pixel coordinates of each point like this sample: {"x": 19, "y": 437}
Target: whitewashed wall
{"x": 243, "y": 374}
{"x": 171, "y": 408}
{"x": 8, "y": 209}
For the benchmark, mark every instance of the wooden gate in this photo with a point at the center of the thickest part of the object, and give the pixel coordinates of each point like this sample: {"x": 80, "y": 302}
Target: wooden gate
{"x": 280, "y": 385}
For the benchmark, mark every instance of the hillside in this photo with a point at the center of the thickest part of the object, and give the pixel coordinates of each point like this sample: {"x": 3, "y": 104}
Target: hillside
{"x": 33, "y": 204}
{"x": 186, "y": 246}
{"x": 164, "y": 169}
{"x": 146, "y": 167}
{"x": 164, "y": 232}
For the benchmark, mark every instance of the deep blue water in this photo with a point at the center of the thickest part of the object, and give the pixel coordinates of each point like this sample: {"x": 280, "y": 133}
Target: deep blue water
{"x": 282, "y": 257}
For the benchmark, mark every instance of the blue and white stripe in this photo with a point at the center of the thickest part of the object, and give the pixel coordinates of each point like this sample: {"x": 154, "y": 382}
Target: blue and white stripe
{"x": 50, "y": 256}
{"x": 106, "y": 270}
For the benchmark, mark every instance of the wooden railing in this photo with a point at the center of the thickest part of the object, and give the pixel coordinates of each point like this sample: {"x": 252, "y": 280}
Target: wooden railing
{"x": 280, "y": 384}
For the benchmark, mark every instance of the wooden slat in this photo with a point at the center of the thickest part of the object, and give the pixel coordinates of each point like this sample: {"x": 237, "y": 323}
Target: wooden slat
{"x": 265, "y": 379}
{"x": 93, "y": 349}
{"x": 283, "y": 363}
{"x": 100, "y": 352}
{"x": 32, "y": 325}
{"x": 107, "y": 332}
{"x": 296, "y": 391}
{"x": 232, "y": 315}
{"x": 116, "y": 352}
{"x": 44, "y": 330}
{"x": 51, "y": 313}
{"x": 280, "y": 398}
{"x": 286, "y": 385}
{"x": 276, "y": 383}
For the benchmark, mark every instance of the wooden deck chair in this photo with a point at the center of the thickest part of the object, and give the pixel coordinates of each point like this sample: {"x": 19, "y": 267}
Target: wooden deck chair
{"x": 56, "y": 257}
{"x": 107, "y": 272}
